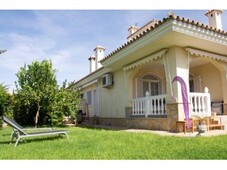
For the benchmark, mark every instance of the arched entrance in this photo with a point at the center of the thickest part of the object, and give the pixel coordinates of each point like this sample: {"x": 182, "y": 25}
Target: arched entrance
{"x": 205, "y": 72}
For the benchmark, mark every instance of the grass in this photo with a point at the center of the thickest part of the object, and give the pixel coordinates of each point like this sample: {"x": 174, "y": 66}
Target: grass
{"x": 101, "y": 144}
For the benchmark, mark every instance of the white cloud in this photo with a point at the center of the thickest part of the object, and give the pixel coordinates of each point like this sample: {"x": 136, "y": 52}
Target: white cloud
{"x": 24, "y": 49}
{"x": 71, "y": 61}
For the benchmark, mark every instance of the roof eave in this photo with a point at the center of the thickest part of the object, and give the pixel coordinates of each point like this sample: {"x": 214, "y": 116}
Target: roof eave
{"x": 160, "y": 23}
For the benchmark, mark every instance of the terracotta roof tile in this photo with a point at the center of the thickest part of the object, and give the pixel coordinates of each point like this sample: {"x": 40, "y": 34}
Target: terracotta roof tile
{"x": 150, "y": 22}
{"x": 159, "y": 23}
{"x": 208, "y": 12}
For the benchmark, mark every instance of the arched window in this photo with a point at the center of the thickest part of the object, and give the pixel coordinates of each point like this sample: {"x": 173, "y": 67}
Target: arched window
{"x": 152, "y": 84}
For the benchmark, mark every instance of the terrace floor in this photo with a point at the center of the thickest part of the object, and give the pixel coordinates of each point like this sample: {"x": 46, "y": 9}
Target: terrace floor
{"x": 166, "y": 133}
{"x": 181, "y": 134}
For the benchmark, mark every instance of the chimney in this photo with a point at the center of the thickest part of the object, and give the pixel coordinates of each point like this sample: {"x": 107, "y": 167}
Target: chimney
{"x": 214, "y": 17}
{"x": 92, "y": 63}
{"x": 131, "y": 31}
{"x": 99, "y": 55}
{"x": 134, "y": 31}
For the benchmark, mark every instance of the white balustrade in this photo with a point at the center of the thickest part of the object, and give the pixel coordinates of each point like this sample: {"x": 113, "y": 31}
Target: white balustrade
{"x": 149, "y": 105}
{"x": 200, "y": 103}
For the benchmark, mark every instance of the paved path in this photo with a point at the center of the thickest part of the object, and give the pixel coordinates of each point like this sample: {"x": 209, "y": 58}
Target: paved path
{"x": 180, "y": 134}
{"x": 166, "y": 133}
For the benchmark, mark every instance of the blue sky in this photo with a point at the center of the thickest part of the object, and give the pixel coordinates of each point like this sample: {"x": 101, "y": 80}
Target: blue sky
{"x": 68, "y": 37}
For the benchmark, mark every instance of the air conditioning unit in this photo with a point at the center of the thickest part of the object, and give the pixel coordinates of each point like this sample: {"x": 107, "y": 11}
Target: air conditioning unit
{"x": 107, "y": 80}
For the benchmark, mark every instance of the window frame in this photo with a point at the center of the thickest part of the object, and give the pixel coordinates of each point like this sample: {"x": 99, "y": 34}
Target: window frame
{"x": 152, "y": 79}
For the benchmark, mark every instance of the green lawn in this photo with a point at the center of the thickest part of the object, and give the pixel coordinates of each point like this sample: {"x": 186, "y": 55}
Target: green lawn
{"x": 100, "y": 144}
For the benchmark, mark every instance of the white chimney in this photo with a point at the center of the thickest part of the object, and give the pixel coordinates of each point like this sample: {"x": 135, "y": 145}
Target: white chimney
{"x": 132, "y": 30}
{"x": 135, "y": 31}
{"x": 99, "y": 55}
{"x": 214, "y": 17}
{"x": 92, "y": 63}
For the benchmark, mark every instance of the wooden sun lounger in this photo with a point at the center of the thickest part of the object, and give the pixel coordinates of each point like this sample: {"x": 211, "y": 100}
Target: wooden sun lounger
{"x": 19, "y": 132}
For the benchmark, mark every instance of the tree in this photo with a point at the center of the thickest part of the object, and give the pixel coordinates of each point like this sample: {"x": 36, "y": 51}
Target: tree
{"x": 3, "y": 98}
{"x": 65, "y": 103}
{"x": 36, "y": 87}
{"x": 6, "y": 101}
{"x": 39, "y": 99}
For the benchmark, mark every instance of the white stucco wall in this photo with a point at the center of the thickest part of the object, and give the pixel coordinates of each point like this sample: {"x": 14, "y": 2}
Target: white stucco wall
{"x": 211, "y": 78}
{"x": 114, "y": 100}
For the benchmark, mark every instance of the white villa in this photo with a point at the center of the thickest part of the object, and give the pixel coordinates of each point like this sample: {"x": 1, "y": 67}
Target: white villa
{"x": 132, "y": 86}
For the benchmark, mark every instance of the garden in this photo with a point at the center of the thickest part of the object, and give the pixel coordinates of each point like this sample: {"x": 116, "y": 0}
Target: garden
{"x": 103, "y": 144}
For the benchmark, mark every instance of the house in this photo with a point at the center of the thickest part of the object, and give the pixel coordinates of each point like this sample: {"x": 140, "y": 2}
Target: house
{"x": 132, "y": 86}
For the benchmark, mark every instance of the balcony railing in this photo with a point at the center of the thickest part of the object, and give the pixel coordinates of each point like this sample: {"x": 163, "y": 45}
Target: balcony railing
{"x": 199, "y": 104}
{"x": 149, "y": 105}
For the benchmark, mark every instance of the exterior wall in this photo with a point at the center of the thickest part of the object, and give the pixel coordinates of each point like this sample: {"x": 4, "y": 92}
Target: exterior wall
{"x": 139, "y": 123}
{"x": 163, "y": 123}
{"x": 211, "y": 78}
{"x": 90, "y": 88}
{"x": 214, "y": 76}
{"x": 224, "y": 85}
{"x": 114, "y": 100}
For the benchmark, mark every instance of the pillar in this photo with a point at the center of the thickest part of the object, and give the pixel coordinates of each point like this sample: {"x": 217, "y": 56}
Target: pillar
{"x": 176, "y": 64}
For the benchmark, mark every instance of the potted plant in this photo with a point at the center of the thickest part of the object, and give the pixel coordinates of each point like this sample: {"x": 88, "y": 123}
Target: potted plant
{"x": 201, "y": 128}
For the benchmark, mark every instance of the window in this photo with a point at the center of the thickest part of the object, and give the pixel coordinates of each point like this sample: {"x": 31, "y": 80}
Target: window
{"x": 82, "y": 95}
{"x": 152, "y": 84}
{"x": 88, "y": 98}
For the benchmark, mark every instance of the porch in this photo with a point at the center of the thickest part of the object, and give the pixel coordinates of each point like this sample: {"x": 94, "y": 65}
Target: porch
{"x": 156, "y": 106}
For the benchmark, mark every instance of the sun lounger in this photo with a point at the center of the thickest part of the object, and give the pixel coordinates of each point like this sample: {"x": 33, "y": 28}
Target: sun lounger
{"x": 27, "y": 129}
{"x": 19, "y": 132}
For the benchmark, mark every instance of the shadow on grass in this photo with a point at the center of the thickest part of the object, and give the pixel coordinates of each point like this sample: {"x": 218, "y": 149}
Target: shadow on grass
{"x": 6, "y": 142}
{"x": 101, "y": 127}
{"x": 30, "y": 140}
{"x": 6, "y": 134}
